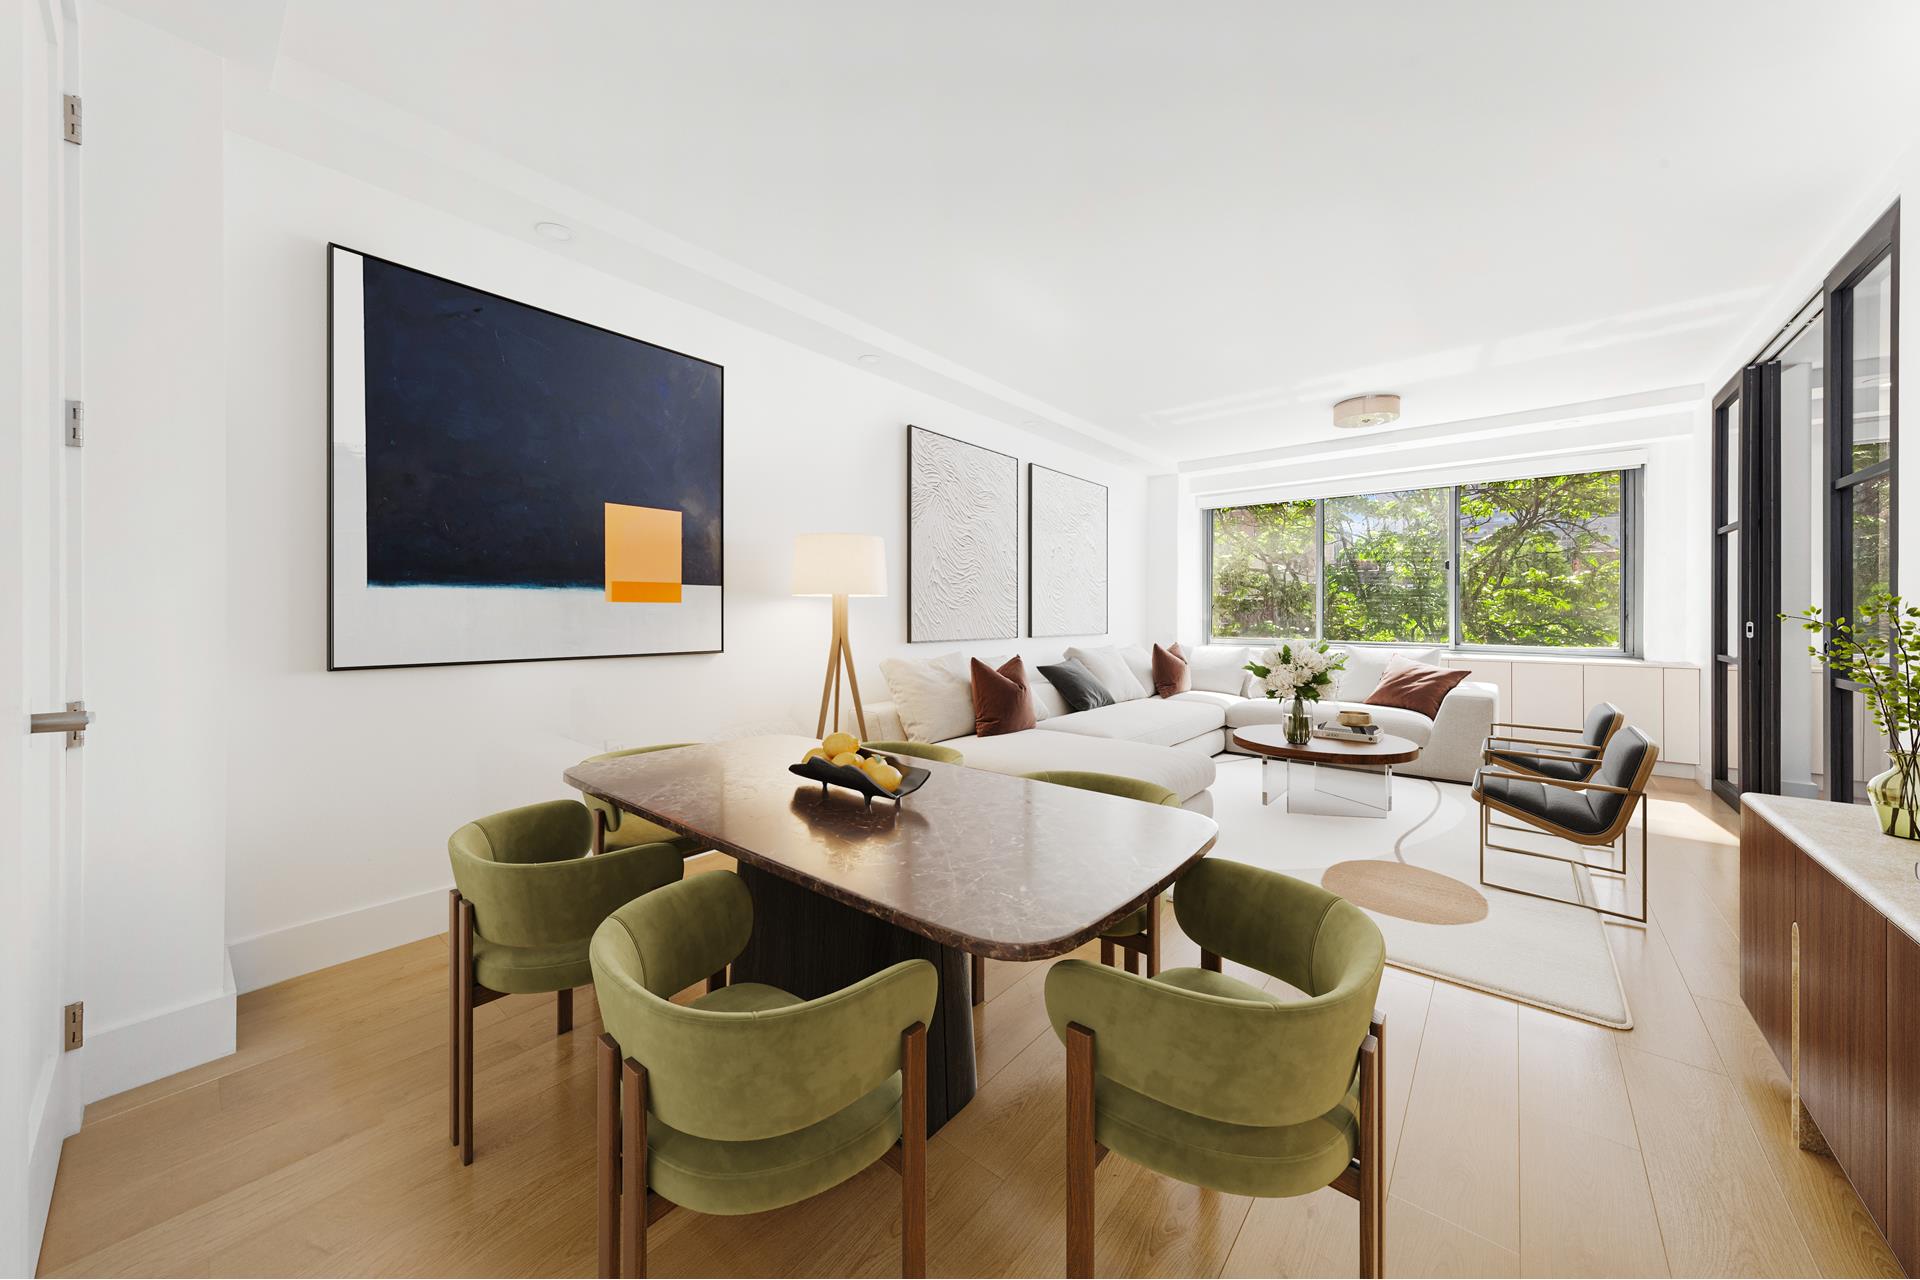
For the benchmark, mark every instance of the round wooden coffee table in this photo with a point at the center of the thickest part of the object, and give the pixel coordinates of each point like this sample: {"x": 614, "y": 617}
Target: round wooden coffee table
{"x": 1361, "y": 773}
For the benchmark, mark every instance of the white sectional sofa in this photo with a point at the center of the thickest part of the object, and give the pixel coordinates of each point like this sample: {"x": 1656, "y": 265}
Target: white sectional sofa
{"x": 1170, "y": 741}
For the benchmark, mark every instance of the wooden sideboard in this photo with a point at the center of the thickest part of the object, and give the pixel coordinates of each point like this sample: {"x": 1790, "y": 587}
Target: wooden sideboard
{"x": 1825, "y": 873}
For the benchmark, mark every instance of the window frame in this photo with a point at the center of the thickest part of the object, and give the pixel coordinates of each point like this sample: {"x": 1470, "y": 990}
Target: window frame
{"x": 1631, "y": 479}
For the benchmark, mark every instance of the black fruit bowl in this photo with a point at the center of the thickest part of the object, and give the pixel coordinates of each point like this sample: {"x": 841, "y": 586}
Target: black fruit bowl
{"x": 826, "y": 772}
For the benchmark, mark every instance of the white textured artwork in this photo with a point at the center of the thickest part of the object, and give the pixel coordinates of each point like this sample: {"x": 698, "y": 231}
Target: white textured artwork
{"x": 1067, "y": 543}
{"x": 963, "y": 540}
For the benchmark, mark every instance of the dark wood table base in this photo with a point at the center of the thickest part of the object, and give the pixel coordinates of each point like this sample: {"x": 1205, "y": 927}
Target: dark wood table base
{"x": 812, "y": 946}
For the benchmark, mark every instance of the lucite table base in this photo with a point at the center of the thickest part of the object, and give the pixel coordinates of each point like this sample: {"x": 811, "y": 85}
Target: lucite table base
{"x": 1328, "y": 790}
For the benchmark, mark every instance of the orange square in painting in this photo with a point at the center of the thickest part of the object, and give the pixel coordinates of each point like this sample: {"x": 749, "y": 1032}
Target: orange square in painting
{"x": 643, "y": 555}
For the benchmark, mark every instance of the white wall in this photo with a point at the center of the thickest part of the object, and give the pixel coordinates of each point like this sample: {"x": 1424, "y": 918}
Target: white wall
{"x": 344, "y": 786}
{"x": 157, "y": 992}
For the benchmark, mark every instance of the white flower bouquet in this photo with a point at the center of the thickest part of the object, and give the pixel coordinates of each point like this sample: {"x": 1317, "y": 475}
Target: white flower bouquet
{"x": 1302, "y": 670}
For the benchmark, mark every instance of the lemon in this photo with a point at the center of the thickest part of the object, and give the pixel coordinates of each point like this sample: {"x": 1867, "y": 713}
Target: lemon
{"x": 884, "y": 775}
{"x": 812, "y": 753}
{"x": 839, "y": 744}
{"x": 847, "y": 758}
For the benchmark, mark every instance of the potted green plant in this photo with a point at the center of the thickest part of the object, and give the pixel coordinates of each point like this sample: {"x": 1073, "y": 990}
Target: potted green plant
{"x": 1302, "y": 670}
{"x": 1878, "y": 651}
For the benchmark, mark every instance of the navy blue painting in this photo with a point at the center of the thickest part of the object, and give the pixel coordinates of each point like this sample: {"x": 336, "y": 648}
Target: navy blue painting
{"x": 496, "y": 432}
{"x": 510, "y": 485}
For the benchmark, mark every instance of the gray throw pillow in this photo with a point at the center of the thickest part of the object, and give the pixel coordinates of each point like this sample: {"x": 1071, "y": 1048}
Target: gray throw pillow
{"x": 1076, "y": 685}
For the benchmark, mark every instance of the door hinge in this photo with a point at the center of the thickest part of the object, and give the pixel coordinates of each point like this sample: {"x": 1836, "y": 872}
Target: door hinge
{"x": 76, "y": 1020}
{"x": 76, "y": 424}
{"x": 70, "y": 118}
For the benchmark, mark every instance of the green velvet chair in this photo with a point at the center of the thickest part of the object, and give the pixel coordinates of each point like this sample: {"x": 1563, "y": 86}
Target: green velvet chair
{"x": 1201, "y": 1077}
{"x": 920, "y": 750}
{"x": 524, "y": 907}
{"x": 1137, "y": 936}
{"x": 747, "y": 1098}
{"x": 613, "y": 829}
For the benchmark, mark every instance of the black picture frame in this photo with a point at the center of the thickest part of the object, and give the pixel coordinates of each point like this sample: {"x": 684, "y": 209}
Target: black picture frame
{"x": 327, "y": 445}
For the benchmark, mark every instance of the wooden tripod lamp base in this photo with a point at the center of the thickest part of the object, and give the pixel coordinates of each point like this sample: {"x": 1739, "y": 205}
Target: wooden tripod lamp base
{"x": 840, "y": 565}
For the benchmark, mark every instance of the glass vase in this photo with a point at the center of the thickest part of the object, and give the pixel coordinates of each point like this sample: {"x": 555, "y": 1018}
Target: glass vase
{"x": 1890, "y": 801}
{"x": 1299, "y": 727}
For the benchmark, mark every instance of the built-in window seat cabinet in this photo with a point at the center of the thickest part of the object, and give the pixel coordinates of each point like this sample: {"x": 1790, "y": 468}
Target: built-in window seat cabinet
{"x": 1661, "y": 699}
{"x": 1830, "y": 969}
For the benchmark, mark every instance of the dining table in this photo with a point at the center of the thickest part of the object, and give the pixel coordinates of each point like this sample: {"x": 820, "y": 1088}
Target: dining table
{"x": 971, "y": 864}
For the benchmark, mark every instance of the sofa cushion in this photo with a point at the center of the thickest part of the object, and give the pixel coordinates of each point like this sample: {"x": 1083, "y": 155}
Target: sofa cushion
{"x": 1367, "y": 663}
{"x": 1417, "y": 686}
{"x": 1139, "y": 660}
{"x": 1224, "y": 701}
{"x": 1170, "y": 674}
{"x": 1113, "y": 671}
{"x": 1000, "y": 700}
{"x": 1398, "y": 721}
{"x": 1079, "y": 689}
{"x": 1219, "y": 668}
{"x": 932, "y": 695}
{"x": 1161, "y": 721}
{"x": 1185, "y": 773}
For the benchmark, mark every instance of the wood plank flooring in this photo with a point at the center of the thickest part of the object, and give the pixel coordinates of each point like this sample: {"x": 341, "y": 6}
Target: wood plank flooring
{"x": 1520, "y": 1142}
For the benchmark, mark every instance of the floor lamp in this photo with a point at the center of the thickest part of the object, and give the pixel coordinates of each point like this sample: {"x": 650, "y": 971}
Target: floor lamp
{"x": 840, "y": 565}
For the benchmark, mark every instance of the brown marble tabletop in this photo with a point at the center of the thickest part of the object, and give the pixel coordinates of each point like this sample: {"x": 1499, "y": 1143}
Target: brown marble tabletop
{"x": 991, "y": 864}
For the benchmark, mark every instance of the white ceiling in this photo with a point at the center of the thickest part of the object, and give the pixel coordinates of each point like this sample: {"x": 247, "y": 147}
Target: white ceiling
{"x": 1197, "y": 225}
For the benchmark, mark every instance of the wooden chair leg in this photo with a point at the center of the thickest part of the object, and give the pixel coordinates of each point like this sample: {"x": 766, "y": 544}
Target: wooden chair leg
{"x": 1080, "y": 1152}
{"x": 633, "y": 1169}
{"x": 913, "y": 1151}
{"x": 464, "y": 968}
{"x": 979, "y": 979}
{"x": 563, "y": 1012}
{"x": 717, "y": 980}
{"x": 1106, "y": 951}
{"x": 1132, "y": 959}
{"x": 607, "y": 1142}
{"x": 1373, "y": 1153}
{"x": 453, "y": 1013}
{"x": 1153, "y": 937}
{"x": 599, "y": 831}
{"x": 1209, "y": 961}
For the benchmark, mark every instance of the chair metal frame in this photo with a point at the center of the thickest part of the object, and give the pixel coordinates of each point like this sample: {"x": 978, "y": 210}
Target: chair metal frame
{"x": 1614, "y": 838}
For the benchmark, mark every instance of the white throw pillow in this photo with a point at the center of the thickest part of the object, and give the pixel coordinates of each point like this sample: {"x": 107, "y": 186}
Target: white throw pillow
{"x": 1111, "y": 670}
{"x": 933, "y": 695}
{"x": 1140, "y": 662}
{"x": 1218, "y": 668}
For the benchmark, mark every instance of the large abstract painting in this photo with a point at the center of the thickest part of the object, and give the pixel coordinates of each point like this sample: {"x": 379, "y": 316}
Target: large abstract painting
{"x": 963, "y": 540}
{"x": 510, "y": 485}
{"x": 1067, "y": 550}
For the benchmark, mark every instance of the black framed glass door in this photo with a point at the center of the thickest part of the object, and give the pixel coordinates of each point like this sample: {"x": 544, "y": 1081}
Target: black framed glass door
{"x": 1746, "y": 669}
{"x": 1862, "y": 421}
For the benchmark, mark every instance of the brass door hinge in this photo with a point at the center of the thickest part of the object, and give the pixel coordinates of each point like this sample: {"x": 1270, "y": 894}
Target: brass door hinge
{"x": 76, "y": 1018}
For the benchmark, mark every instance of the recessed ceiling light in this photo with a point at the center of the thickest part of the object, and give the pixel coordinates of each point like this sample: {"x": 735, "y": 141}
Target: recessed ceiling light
{"x": 869, "y": 358}
{"x": 1033, "y": 422}
{"x": 554, "y": 230}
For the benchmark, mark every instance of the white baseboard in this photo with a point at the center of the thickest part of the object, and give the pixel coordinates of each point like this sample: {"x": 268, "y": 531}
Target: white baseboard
{"x": 121, "y": 1057}
{"x": 57, "y": 1118}
{"x": 275, "y": 956}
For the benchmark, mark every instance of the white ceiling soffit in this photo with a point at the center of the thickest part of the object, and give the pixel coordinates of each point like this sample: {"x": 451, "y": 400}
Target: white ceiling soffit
{"x": 1177, "y": 230}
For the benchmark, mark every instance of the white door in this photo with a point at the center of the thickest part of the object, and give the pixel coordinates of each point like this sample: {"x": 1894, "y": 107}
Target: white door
{"x": 39, "y": 594}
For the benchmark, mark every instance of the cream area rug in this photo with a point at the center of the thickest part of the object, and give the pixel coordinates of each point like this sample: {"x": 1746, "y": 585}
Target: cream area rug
{"x": 1416, "y": 873}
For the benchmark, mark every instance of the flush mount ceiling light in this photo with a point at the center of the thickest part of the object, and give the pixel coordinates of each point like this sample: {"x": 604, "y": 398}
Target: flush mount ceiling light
{"x": 869, "y": 358}
{"x": 1366, "y": 411}
{"x": 554, "y": 230}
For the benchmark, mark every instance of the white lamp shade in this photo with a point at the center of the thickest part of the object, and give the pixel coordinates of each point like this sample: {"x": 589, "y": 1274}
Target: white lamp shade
{"x": 839, "y": 564}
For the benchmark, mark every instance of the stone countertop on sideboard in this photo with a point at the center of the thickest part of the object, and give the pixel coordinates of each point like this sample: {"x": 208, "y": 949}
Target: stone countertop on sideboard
{"x": 1846, "y": 839}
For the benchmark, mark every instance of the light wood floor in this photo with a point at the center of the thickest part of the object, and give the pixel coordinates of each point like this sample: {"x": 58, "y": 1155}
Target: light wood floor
{"x": 1520, "y": 1142}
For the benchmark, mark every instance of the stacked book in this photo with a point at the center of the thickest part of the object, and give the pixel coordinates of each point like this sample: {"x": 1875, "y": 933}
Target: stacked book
{"x": 1334, "y": 731}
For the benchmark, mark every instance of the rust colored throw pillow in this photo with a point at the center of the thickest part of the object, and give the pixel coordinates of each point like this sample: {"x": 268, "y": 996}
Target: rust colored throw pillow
{"x": 1000, "y": 700}
{"x": 1415, "y": 686}
{"x": 1169, "y": 670}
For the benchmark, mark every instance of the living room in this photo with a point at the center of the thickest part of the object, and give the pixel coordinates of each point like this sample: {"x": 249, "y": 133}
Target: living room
{"x": 1309, "y": 522}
